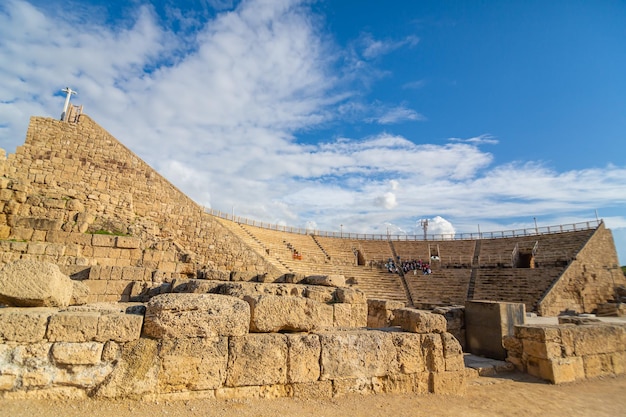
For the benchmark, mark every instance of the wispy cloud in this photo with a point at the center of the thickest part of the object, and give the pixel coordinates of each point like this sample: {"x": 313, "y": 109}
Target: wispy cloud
{"x": 484, "y": 139}
{"x": 396, "y": 115}
{"x": 374, "y": 48}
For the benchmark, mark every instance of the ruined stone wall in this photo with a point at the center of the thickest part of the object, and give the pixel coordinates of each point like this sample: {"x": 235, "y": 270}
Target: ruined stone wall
{"x": 568, "y": 352}
{"x": 76, "y": 177}
{"x": 208, "y": 345}
{"x": 590, "y": 279}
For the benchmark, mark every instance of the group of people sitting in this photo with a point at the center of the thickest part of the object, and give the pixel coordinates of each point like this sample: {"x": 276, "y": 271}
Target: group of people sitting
{"x": 406, "y": 266}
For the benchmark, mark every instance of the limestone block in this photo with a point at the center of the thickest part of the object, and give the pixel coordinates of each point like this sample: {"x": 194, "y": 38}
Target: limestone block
{"x": 127, "y": 242}
{"x": 321, "y": 294}
{"x": 80, "y": 292}
{"x": 538, "y": 333}
{"x": 348, "y": 386}
{"x": 543, "y": 350}
{"x": 103, "y": 240}
{"x": 85, "y": 353}
{"x": 598, "y": 365}
{"x": 24, "y": 324}
{"x": 38, "y": 378}
{"x": 243, "y": 276}
{"x": 596, "y": 339}
{"x": 417, "y": 383}
{"x": 195, "y": 315}
{"x": 28, "y": 283}
{"x": 135, "y": 374}
{"x": 7, "y": 382}
{"x": 192, "y": 364}
{"x": 196, "y": 286}
{"x": 313, "y": 390}
{"x": 257, "y": 359}
{"x": 452, "y": 353}
{"x": 415, "y": 321}
{"x": 618, "y": 362}
{"x": 304, "y": 357}
{"x": 119, "y": 327}
{"x": 448, "y": 383}
{"x": 246, "y": 392}
{"x": 380, "y": 312}
{"x": 356, "y": 354}
{"x": 326, "y": 280}
{"x": 409, "y": 355}
{"x": 272, "y": 313}
{"x": 350, "y": 296}
{"x": 556, "y": 370}
{"x": 35, "y": 355}
{"x": 432, "y": 351}
{"x": 73, "y": 327}
{"x": 350, "y": 315}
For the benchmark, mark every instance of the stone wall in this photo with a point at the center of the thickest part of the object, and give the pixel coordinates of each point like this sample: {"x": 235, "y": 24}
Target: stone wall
{"x": 215, "y": 346}
{"x": 568, "y": 352}
{"x": 76, "y": 177}
{"x": 590, "y": 280}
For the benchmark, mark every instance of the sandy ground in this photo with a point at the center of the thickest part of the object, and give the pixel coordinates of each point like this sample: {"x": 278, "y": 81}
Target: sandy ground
{"x": 509, "y": 395}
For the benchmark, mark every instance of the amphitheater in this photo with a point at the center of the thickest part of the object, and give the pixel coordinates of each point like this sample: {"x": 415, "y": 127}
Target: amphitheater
{"x": 146, "y": 294}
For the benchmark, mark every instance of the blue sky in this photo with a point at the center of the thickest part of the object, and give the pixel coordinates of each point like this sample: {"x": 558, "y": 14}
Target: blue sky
{"x": 368, "y": 114}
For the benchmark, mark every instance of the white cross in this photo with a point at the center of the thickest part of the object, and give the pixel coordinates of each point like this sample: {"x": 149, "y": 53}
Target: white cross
{"x": 69, "y": 92}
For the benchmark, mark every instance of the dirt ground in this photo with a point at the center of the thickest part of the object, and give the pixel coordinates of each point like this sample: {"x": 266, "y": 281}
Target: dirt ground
{"x": 508, "y": 395}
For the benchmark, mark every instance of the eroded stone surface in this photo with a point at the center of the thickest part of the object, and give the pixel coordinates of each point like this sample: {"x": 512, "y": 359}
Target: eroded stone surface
{"x": 195, "y": 315}
{"x": 28, "y": 283}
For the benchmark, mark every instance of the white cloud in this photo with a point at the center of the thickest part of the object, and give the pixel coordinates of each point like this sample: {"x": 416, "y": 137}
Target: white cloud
{"x": 396, "y": 115}
{"x": 477, "y": 140}
{"x": 373, "y": 48}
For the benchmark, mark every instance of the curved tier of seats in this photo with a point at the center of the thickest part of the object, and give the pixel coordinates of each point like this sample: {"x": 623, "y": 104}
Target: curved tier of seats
{"x": 485, "y": 269}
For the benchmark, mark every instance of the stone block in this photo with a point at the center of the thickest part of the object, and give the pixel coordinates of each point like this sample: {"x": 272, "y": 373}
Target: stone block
{"x": 448, "y": 383}
{"x": 192, "y": 364}
{"x": 432, "y": 351}
{"x": 487, "y": 322}
{"x": 195, "y": 286}
{"x": 135, "y": 374}
{"x": 452, "y": 353}
{"x": 7, "y": 382}
{"x": 127, "y": 242}
{"x": 272, "y": 313}
{"x": 313, "y": 390}
{"x": 103, "y": 240}
{"x": 28, "y": 283}
{"x": 257, "y": 359}
{"x": 380, "y": 312}
{"x": 80, "y": 292}
{"x": 618, "y": 362}
{"x": 326, "y": 280}
{"x": 119, "y": 327}
{"x": 350, "y": 386}
{"x": 544, "y": 350}
{"x": 24, "y": 324}
{"x": 409, "y": 355}
{"x": 597, "y": 365}
{"x": 85, "y": 353}
{"x": 195, "y": 315}
{"x": 416, "y": 321}
{"x": 246, "y": 392}
{"x": 320, "y": 294}
{"x": 304, "y": 357}
{"x": 73, "y": 327}
{"x": 350, "y": 296}
{"x": 356, "y": 354}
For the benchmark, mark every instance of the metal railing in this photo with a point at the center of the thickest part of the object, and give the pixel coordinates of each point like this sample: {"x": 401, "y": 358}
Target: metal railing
{"x": 531, "y": 231}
